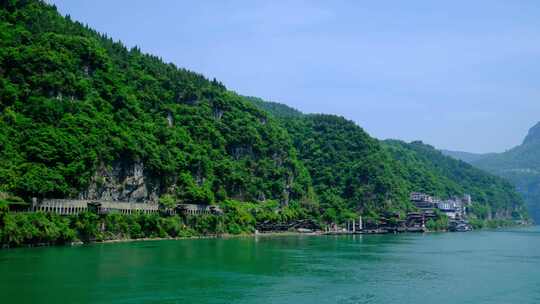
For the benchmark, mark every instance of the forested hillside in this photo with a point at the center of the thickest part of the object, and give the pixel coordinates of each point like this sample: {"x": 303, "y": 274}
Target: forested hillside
{"x": 82, "y": 116}
{"x": 521, "y": 166}
{"x": 277, "y": 109}
{"x": 428, "y": 170}
{"x": 351, "y": 170}
{"x": 464, "y": 156}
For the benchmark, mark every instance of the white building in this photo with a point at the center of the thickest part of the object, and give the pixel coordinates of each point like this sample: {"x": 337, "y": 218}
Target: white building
{"x": 454, "y": 208}
{"x": 421, "y": 197}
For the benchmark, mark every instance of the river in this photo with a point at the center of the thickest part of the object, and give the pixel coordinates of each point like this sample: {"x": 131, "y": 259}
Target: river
{"x": 476, "y": 267}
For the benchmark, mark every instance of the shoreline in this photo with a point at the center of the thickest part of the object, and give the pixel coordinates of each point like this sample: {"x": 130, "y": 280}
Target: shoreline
{"x": 131, "y": 240}
{"x": 230, "y": 236}
{"x": 221, "y": 236}
{"x": 271, "y": 234}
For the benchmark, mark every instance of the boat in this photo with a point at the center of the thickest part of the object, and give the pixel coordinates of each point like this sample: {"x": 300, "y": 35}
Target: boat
{"x": 460, "y": 226}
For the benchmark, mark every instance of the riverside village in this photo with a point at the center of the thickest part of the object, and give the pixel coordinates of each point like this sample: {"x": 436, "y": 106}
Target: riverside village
{"x": 429, "y": 208}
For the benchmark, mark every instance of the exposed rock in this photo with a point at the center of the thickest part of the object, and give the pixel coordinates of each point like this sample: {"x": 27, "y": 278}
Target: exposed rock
{"x": 124, "y": 181}
{"x": 218, "y": 113}
{"x": 533, "y": 135}
{"x": 170, "y": 119}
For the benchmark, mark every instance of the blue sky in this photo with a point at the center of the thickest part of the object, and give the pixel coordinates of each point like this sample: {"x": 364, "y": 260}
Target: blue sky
{"x": 462, "y": 75}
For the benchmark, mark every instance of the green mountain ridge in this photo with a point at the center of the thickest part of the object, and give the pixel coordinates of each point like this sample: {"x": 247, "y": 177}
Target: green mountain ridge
{"x": 82, "y": 116}
{"x": 409, "y": 166}
{"x": 464, "y": 156}
{"x": 520, "y": 165}
{"x": 100, "y": 121}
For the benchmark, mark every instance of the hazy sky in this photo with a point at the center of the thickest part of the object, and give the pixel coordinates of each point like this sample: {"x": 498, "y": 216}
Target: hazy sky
{"x": 462, "y": 75}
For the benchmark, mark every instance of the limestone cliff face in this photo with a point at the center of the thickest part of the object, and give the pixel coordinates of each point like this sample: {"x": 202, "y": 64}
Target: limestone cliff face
{"x": 533, "y": 135}
{"x": 122, "y": 181}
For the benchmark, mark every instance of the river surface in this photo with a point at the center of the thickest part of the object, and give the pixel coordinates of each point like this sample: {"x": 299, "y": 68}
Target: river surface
{"x": 477, "y": 267}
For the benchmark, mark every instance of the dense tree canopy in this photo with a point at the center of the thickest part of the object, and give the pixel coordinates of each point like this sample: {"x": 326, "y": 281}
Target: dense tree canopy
{"x": 74, "y": 104}
{"x": 73, "y": 101}
{"x": 427, "y": 169}
{"x": 521, "y": 166}
{"x": 353, "y": 172}
{"x": 350, "y": 169}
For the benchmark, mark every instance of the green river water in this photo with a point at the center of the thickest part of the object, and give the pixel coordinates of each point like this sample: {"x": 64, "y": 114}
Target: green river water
{"x": 477, "y": 267}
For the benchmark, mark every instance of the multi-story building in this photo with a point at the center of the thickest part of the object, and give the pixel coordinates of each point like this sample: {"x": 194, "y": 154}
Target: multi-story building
{"x": 421, "y": 197}
{"x": 454, "y": 208}
{"x": 422, "y": 201}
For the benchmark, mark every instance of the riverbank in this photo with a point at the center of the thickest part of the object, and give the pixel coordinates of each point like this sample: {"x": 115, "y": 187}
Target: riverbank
{"x": 222, "y": 236}
{"x": 39, "y": 229}
{"x": 245, "y": 235}
{"x": 154, "y": 239}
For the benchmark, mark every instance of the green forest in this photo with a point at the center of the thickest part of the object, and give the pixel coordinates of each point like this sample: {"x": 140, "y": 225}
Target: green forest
{"x": 519, "y": 165}
{"x": 78, "y": 110}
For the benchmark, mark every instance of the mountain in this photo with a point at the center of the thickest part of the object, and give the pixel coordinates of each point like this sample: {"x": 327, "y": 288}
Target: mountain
{"x": 350, "y": 169}
{"x": 464, "y": 156}
{"x": 533, "y": 136}
{"x": 277, "y": 109}
{"x": 431, "y": 171}
{"x": 521, "y": 166}
{"x": 82, "y": 116}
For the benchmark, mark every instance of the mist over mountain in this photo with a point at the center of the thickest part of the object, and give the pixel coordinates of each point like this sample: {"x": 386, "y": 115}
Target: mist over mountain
{"x": 533, "y": 135}
{"x": 520, "y": 165}
{"x": 464, "y": 156}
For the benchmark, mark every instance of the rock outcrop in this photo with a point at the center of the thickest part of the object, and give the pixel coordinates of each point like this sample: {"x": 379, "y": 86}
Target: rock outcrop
{"x": 123, "y": 181}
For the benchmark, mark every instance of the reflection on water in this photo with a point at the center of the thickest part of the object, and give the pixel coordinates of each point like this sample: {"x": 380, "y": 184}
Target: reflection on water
{"x": 477, "y": 267}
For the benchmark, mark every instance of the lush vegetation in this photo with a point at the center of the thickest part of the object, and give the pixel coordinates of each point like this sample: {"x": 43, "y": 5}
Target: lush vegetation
{"x": 337, "y": 153}
{"x": 277, "y": 109}
{"x": 520, "y": 165}
{"x": 428, "y": 170}
{"x": 47, "y": 228}
{"x": 41, "y": 228}
{"x": 351, "y": 171}
{"x": 77, "y": 109}
{"x": 74, "y": 102}
{"x": 441, "y": 223}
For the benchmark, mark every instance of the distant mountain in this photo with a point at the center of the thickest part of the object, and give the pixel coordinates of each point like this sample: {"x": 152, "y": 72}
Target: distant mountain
{"x": 533, "y": 135}
{"x": 520, "y": 165}
{"x": 464, "y": 156}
